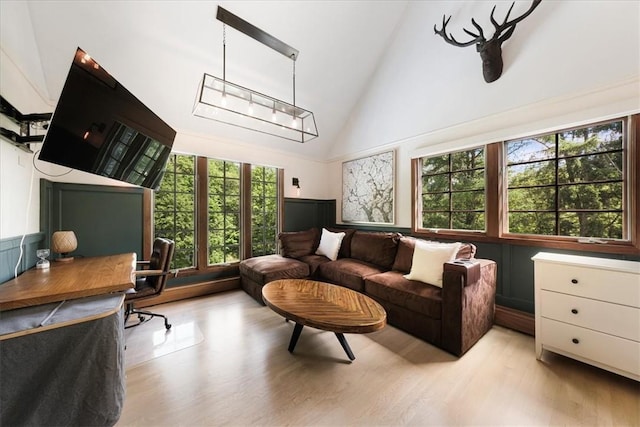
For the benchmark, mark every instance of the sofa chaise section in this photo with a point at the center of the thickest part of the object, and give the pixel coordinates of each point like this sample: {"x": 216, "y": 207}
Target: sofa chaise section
{"x": 257, "y": 271}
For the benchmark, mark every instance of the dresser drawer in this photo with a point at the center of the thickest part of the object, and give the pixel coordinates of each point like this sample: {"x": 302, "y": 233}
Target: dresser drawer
{"x": 614, "y": 319}
{"x": 595, "y": 346}
{"x": 601, "y": 284}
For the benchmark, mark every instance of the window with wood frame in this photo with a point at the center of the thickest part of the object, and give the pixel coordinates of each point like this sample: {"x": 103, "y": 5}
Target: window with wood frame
{"x": 453, "y": 191}
{"x": 174, "y": 213}
{"x": 209, "y": 206}
{"x": 568, "y": 183}
{"x": 264, "y": 210}
{"x": 223, "y": 200}
{"x": 575, "y": 188}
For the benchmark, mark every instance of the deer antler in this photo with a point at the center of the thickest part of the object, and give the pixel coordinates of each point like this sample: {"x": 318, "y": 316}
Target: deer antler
{"x": 479, "y": 38}
{"x": 510, "y": 26}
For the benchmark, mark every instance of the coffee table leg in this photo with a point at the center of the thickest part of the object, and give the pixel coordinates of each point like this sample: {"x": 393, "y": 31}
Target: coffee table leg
{"x": 294, "y": 338}
{"x": 345, "y": 345}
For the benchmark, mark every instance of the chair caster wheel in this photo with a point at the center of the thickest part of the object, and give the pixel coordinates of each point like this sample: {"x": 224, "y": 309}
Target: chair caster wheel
{"x": 168, "y": 326}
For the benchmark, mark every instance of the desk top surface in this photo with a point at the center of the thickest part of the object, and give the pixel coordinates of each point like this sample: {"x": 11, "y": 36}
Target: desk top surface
{"x": 79, "y": 278}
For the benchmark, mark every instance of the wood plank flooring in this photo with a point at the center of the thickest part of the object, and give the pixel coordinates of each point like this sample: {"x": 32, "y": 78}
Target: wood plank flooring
{"x": 242, "y": 374}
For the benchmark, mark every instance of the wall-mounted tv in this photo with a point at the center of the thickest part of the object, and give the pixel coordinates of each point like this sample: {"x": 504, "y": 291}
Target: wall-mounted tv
{"x": 100, "y": 127}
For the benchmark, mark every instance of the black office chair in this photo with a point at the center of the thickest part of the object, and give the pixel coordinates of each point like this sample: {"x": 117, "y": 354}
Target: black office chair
{"x": 150, "y": 281}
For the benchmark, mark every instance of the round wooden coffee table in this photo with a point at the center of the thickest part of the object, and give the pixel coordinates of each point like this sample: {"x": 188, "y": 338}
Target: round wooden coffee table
{"x": 324, "y": 306}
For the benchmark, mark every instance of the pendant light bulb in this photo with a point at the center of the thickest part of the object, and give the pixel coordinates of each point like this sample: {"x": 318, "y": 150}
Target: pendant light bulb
{"x": 251, "y": 108}
{"x": 274, "y": 118}
{"x": 223, "y": 102}
{"x": 294, "y": 123}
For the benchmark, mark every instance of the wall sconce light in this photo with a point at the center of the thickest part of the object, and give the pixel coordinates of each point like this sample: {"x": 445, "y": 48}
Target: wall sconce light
{"x": 296, "y": 183}
{"x": 63, "y": 242}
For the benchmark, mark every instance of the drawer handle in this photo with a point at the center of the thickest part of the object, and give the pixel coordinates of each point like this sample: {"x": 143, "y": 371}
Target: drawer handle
{"x": 575, "y": 341}
{"x": 574, "y": 281}
{"x": 574, "y": 311}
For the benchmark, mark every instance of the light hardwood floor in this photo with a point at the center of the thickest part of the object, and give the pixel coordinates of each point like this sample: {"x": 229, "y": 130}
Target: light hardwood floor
{"x": 240, "y": 373}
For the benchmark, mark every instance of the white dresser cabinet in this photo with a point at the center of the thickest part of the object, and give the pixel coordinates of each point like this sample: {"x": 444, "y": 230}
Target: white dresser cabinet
{"x": 588, "y": 308}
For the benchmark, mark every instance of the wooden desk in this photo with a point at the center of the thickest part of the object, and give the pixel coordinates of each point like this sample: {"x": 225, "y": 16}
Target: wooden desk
{"x": 79, "y": 278}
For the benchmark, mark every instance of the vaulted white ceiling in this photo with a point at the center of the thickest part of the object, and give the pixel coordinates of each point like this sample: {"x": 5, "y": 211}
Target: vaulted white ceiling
{"x": 159, "y": 50}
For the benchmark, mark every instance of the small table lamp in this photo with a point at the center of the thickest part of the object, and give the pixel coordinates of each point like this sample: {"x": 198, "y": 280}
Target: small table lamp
{"x": 63, "y": 242}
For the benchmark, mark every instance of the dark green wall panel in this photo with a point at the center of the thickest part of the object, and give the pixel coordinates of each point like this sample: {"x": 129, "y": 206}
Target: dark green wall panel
{"x": 106, "y": 220}
{"x": 515, "y": 270}
{"x": 302, "y": 214}
{"x": 10, "y": 254}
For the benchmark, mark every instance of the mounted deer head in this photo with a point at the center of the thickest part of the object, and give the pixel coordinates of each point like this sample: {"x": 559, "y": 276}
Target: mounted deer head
{"x": 490, "y": 50}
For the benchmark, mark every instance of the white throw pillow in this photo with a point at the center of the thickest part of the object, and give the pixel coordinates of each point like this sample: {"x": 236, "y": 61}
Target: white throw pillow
{"x": 428, "y": 261}
{"x": 330, "y": 244}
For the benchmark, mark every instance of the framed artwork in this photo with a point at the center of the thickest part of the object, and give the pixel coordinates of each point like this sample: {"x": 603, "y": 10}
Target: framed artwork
{"x": 368, "y": 189}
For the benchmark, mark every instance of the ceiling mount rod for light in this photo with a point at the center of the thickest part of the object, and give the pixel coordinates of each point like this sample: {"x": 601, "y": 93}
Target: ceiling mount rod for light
{"x": 256, "y": 33}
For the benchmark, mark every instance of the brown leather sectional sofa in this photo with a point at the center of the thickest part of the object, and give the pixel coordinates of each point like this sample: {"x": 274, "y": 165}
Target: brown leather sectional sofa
{"x": 453, "y": 317}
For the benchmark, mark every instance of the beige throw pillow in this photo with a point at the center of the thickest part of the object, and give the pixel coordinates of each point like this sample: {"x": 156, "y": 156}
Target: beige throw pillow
{"x": 428, "y": 261}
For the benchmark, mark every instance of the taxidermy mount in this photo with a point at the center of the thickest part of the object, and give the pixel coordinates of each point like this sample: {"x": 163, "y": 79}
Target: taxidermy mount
{"x": 490, "y": 50}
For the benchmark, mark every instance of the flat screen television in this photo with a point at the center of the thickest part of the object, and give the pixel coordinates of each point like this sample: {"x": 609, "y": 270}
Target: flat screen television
{"x": 100, "y": 127}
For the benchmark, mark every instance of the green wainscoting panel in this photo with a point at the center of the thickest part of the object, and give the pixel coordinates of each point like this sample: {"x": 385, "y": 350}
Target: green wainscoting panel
{"x": 379, "y": 228}
{"x": 106, "y": 219}
{"x": 515, "y": 270}
{"x": 10, "y": 253}
{"x": 46, "y": 210}
{"x": 302, "y": 214}
{"x": 176, "y": 282}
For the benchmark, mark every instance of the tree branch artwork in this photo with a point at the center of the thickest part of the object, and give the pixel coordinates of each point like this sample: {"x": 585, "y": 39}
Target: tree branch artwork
{"x": 368, "y": 189}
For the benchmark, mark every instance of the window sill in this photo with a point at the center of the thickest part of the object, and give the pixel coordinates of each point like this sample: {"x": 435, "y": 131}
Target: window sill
{"x": 621, "y": 248}
{"x": 221, "y": 268}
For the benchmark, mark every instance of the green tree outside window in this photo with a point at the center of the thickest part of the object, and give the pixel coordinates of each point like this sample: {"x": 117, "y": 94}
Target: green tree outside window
{"x": 569, "y": 183}
{"x": 224, "y": 211}
{"x": 264, "y": 210}
{"x": 453, "y": 195}
{"x": 175, "y": 207}
{"x": 176, "y": 210}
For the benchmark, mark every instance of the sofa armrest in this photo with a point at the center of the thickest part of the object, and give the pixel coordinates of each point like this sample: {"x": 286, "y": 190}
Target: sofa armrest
{"x": 466, "y": 269}
{"x": 468, "y": 302}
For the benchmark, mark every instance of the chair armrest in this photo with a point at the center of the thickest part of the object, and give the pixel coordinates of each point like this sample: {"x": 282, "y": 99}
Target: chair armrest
{"x": 143, "y": 273}
{"x": 143, "y": 265}
{"x": 468, "y": 302}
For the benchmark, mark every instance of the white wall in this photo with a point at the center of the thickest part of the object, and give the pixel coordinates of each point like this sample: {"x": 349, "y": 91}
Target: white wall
{"x": 18, "y": 213}
{"x": 568, "y": 63}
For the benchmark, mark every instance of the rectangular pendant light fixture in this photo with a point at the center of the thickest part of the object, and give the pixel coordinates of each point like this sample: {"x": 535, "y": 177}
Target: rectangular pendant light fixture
{"x": 226, "y": 102}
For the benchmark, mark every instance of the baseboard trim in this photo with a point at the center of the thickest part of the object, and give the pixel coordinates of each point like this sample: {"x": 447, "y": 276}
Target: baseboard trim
{"x": 191, "y": 291}
{"x": 504, "y": 316}
{"x": 515, "y": 319}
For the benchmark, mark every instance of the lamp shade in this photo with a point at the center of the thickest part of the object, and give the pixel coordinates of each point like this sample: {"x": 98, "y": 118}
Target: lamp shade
{"x": 63, "y": 242}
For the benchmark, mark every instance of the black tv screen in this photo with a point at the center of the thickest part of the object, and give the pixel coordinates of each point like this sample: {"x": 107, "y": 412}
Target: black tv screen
{"x": 100, "y": 127}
